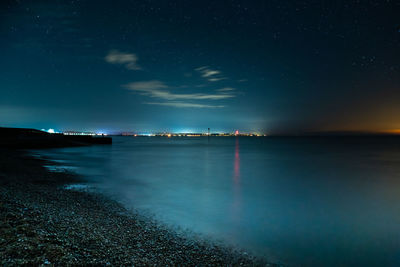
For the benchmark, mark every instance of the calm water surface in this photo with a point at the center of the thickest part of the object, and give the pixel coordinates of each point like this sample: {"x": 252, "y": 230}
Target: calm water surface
{"x": 300, "y": 201}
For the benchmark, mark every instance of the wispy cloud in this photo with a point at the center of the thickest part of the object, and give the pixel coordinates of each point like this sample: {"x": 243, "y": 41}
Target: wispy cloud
{"x": 129, "y": 60}
{"x": 183, "y": 105}
{"x": 216, "y": 79}
{"x": 156, "y": 89}
{"x": 146, "y": 85}
{"x": 207, "y": 72}
{"x": 226, "y": 89}
{"x": 210, "y": 74}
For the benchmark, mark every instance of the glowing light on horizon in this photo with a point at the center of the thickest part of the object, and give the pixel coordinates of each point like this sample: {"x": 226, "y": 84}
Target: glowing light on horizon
{"x": 393, "y": 131}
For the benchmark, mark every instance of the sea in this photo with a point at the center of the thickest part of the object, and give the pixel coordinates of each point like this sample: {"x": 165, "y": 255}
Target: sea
{"x": 299, "y": 201}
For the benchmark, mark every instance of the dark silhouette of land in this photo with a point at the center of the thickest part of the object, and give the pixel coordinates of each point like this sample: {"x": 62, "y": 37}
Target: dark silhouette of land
{"x": 31, "y": 138}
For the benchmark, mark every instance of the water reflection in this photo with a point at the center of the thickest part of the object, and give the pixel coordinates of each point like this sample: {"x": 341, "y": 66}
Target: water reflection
{"x": 307, "y": 202}
{"x": 237, "y": 163}
{"x": 237, "y": 200}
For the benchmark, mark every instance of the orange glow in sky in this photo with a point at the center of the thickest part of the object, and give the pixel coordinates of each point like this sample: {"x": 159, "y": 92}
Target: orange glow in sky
{"x": 393, "y": 131}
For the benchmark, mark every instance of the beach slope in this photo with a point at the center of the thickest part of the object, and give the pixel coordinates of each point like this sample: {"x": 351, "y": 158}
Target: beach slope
{"x": 42, "y": 223}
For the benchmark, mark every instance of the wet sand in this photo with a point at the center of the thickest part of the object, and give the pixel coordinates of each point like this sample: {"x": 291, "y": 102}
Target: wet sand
{"x": 43, "y": 223}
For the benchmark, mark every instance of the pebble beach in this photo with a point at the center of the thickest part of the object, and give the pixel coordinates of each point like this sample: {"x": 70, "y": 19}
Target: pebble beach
{"x": 42, "y": 223}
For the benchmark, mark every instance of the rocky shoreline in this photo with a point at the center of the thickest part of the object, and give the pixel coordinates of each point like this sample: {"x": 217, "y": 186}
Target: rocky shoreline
{"x": 42, "y": 223}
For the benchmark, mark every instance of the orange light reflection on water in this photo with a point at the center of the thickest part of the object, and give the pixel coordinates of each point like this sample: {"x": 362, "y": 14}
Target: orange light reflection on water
{"x": 237, "y": 198}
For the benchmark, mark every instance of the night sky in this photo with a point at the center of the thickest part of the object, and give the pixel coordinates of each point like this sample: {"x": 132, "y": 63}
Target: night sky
{"x": 264, "y": 66}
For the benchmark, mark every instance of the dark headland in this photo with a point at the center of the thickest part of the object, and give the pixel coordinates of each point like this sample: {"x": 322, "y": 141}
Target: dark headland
{"x": 31, "y": 138}
{"x": 43, "y": 223}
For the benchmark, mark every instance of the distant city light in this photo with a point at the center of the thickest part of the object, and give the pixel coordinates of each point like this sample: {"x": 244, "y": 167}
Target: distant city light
{"x": 83, "y": 133}
{"x": 165, "y": 134}
{"x": 51, "y": 131}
